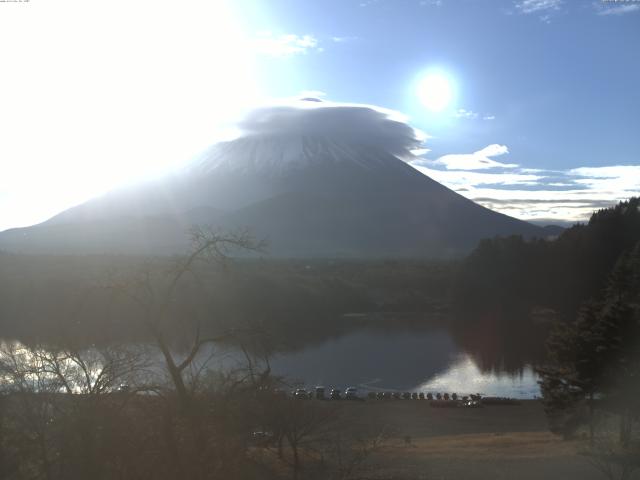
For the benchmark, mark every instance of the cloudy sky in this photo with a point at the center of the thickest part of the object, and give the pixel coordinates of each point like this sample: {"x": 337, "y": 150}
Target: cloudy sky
{"x": 530, "y": 107}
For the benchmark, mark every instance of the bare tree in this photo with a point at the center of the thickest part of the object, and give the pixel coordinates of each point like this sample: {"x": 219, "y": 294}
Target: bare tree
{"x": 346, "y": 453}
{"x": 299, "y": 422}
{"x": 169, "y": 301}
{"x": 614, "y": 460}
{"x": 59, "y": 400}
{"x": 156, "y": 295}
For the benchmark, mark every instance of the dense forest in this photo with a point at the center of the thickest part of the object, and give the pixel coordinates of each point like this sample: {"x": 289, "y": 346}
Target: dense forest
{"x": 509, "y": 292}
{"x": 512, "y": 272}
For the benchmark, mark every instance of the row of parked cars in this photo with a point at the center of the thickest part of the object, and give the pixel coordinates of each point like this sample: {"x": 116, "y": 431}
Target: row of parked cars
{"x": 439, "y": 398}
{"x": 351, "y": 393}
{"x": 320, "y": 393}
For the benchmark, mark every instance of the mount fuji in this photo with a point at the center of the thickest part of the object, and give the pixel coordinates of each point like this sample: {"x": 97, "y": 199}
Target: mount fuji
{"x": 315, "y": 180}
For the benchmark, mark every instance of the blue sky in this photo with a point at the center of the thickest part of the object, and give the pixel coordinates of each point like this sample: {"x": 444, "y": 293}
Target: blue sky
{"x": 555, "y": 83}
{"x": 562, "y": 82}
{"x": 542, "y": 123}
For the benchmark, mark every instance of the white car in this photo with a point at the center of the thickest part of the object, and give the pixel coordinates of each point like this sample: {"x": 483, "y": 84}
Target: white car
{"x": 301, "y": 393}
{"x": 351, "y": 393}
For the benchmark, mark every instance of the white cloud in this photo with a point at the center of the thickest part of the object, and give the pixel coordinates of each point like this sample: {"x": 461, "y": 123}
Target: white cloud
{"x": 543, "y": 195}
{"x": 285, "y": 45}
{"x": 479, "y": 160}
{"x": 363, "y": 124}
{"x": 343, "y": 39}
{"x": 462, "y": 113}
{"x": 420, "y": 151}
{"x": 471, "y": 115}
{"x": 613, "y": 171}
{"x": 494, "y": 150}
{"x": 612, "y": 180}
{"x": 469, "y": 180}
{"x": 545, "y": 9}
{"x": 543, "y": 204}
{"x": 537, "y": 6}
{"x": 617, "y": 9}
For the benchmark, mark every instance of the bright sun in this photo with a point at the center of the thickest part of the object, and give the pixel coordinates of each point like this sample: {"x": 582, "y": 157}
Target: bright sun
{"x": 435, "y": 91}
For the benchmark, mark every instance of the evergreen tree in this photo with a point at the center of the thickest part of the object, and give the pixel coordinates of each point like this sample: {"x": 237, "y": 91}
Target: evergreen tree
{"x": 598, "y": 356}
{"x": 576, "y": 372}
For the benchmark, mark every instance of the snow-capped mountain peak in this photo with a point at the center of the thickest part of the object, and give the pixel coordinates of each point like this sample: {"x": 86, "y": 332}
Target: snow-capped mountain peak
{"x": 278, "y": 155}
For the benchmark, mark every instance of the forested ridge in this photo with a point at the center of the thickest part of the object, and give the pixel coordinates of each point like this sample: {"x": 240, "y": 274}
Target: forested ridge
{"x": 561, "y": 273}
{"x": 48, "y": 297}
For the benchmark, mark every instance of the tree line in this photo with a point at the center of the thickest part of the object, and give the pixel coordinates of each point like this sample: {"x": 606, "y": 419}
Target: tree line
{"x": 516, "y": 273}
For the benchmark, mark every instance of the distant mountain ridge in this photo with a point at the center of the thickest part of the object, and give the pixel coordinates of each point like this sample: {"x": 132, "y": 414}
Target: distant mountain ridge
{"x": 309, "y": 196}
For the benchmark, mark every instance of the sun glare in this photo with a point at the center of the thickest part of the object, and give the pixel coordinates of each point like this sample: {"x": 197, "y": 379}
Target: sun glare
{"x": 435, "y": 91}
{"x": 127, "y": 92}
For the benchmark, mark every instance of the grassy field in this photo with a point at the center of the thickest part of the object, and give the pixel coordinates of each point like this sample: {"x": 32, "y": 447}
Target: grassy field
{"x": 493, "y": 442}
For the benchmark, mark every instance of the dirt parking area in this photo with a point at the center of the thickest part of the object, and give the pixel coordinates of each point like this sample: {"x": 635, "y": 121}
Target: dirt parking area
{"x": 492, "y": 442}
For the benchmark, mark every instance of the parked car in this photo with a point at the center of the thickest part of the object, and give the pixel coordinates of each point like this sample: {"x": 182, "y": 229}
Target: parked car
{"x": 351, "y": 393}
{"x": 300, "y": 393}
{"x": 261, "y": 437}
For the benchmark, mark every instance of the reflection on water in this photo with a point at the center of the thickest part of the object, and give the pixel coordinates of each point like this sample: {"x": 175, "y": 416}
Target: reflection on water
{"x": 427, "y": 360}
{"x": 464, "y": 377}
{"x": 411, "y": 360}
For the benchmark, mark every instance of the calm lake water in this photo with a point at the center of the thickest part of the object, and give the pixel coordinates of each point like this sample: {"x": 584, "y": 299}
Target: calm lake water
{"x": 404, "y": 360}
{"x": 380, "y": 359}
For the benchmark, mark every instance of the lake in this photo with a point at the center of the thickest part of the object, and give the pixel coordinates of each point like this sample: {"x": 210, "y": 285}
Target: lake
{"x": 390, "y": 358}
{"x": 427, "y": 360}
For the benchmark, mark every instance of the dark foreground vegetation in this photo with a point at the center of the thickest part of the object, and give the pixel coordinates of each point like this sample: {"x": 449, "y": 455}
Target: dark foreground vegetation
{"x": 67, "y": 415}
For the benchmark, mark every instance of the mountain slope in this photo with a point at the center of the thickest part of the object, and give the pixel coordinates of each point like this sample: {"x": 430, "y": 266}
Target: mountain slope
{"x": 308, "y": 195}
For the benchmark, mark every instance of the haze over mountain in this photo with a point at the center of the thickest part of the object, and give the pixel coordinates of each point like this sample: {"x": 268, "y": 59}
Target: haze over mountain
{"x": 314, "y": 178}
